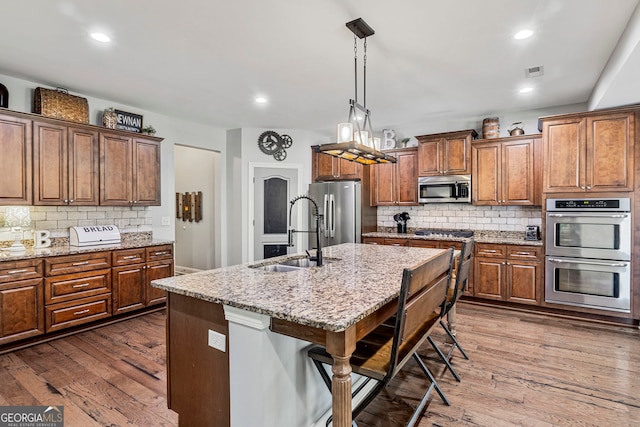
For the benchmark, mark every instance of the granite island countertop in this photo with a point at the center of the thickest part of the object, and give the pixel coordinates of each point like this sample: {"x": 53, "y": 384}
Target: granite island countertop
{"x": 497, "y": 237}
{"x": 356, "y": 280}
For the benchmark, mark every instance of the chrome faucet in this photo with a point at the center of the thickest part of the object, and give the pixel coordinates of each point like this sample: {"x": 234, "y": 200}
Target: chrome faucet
{"x": 317, "y": 216}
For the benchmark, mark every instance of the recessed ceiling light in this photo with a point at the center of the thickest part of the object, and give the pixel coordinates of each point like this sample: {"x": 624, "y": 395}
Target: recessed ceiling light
{"x": 526, "y": 89}
{"x": 261, "y": 100}
{"x": 523, "y": 34}
{"x": 101, "y": 37}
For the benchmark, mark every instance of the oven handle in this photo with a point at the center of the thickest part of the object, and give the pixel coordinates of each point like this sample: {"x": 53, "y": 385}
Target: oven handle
{"x": 588, "y": 216}
{"x": 606, "y": 264}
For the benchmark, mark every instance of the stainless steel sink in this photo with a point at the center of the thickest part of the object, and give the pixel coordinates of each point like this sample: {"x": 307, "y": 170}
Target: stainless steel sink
{"x": 276, "y": 267}
{"x": 290, "y": 264}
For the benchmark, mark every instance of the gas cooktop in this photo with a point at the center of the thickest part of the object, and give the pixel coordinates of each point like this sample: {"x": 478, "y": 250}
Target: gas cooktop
{"x": 445, "y": 233}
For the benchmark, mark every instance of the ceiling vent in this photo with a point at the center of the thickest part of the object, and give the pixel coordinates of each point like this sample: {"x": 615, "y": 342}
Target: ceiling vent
{"x": 534, "y": 71}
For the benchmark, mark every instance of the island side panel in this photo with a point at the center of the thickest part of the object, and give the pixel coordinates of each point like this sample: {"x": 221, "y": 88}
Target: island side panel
{"x": 198, "y": 375}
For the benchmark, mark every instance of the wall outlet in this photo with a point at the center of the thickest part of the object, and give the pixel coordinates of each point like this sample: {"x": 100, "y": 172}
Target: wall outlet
{"x": 166, "y": 220}
{"x": 217, "y": 340}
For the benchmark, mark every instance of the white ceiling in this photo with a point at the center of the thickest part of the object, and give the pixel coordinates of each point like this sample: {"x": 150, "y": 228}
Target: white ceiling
{"x": 206, "y": 60}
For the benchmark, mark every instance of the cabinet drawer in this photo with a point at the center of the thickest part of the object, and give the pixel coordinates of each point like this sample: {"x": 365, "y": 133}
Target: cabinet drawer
{"x": 490, "y": 250}
{"x": 20, "y": 270}
{"x": 71, "y": 287}
{"x": 159, "y": 252}
{"x": 531, "y": 253}
{"x": 373, "y": 240}
{"x": 419, "y": 243}
{"x": 65, "y": 315}
{"x": 76, "y": 263}
{"x": 128, "y": 257}
{"x": 396, "y": 242}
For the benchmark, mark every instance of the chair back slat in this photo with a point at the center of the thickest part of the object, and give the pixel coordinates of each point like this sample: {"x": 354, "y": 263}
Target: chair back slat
{"x": 428, "y": 301}
{"x": 462, "y": 273}
{"x": 426, "y": 273}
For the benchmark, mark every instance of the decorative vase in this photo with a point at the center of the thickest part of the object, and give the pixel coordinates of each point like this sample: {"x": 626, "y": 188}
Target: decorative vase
{"x": 109, "y": 118}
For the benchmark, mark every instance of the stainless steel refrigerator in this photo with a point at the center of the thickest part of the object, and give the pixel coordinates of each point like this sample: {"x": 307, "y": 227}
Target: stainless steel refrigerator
{"x": 345, "y": 210}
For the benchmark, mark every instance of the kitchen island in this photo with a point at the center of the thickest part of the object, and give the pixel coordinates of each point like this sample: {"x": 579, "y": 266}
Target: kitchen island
{"x": 334, "y": 305}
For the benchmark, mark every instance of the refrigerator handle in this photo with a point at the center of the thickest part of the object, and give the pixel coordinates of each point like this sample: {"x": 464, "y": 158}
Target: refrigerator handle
{"x": 326, "y": 214}
{"x": 332, "y": 201}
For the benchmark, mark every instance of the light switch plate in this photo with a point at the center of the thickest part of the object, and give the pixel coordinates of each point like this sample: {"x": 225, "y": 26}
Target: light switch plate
{"x": 217, "y": 340}
{"x": 166, "y": 220}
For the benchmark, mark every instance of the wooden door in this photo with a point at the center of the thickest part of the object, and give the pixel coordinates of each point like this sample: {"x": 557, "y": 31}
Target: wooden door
{"x": 517, "y": 182}
{"x": 116, "y": 170}
{"x": 15, "y": 161}
{"x": 610, "y": 147}
{"x": 430, "y": 157}
{"x": 564, "y": 155}
{"x": 487, "y": 174}
{"x": 146, "y": 172}
{"x": 21, "y": 310}
{"x": 383, "y": 182}
{"x": 50, "y": 164}
{"x": 156, "y": 270}
{"x": 523, "y": 279}
{"x": 457, "y": 156}
{"x": 406, "y": 181}
{"x": 128, "y": 288}
{"x": 83, "y": 167}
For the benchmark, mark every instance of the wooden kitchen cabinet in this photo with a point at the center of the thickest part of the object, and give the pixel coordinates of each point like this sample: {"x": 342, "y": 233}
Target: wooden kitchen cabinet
{"x": 589, "y": 152}
{"x": 508, "y": 273}
{"x": 507, "y": 171}
{"x": 129, "y": 170}
{"x": 445, "y": 153}
{"x": 329, "y": 168}
{"x": 65, "y": 165}
{"x": 396, "y": 184}
{"x": 21, "y": 300}
{"x": 15, "y": 161}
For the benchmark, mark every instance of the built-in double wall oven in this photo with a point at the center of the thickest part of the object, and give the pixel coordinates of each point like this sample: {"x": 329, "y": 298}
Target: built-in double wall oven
{"x": 588, "y": 253}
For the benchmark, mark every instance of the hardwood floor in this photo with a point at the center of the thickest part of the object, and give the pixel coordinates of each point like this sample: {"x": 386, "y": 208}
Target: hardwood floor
{"x": 525, "y": 369}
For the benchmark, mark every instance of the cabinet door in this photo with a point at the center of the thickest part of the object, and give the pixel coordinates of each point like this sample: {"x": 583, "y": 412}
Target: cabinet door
{"x": 383, "y": 182}
{"x": 116, "y": 170}
{"x": 518, "y": 183}
{"x": 489, "y": 278}
{"x": 157, "y": 270}
{"x": 128, "y": 288}
{"x": 564, "y": 155}
{"x": 322, "y": 166}
{"x": 429, "y": 157}
{"x": 349, "y": 170}
{"x": 406, "y": 177}
{"x": 83, "y": 167}
{"x": 21, "y": 310}
{"x": 15, "y": 161}
{"x": 456, "y": 156}
{"x": 146, "y": 172}
{"x": 610, "y": 148}
{"x": 523, "y": 279}
{"x": 49, "y": 164}
{"x": 487, "y": 171}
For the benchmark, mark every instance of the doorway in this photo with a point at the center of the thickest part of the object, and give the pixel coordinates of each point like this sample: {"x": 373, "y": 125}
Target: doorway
{"x": 273, "y": 188}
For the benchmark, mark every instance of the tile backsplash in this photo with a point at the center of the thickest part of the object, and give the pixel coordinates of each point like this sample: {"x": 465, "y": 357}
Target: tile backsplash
{"x": 58, "y": 219}
{"x": 462, "y": 216}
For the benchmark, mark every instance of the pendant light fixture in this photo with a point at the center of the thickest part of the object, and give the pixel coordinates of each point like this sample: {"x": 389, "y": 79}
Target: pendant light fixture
{"x": 355, "y": 138}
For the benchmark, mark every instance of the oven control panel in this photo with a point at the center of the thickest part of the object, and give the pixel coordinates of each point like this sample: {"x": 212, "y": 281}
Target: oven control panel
{"x": 620, "y": 205}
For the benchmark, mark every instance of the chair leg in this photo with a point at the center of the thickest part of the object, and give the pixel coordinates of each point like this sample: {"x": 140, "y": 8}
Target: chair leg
{"x": 431, "y": 378}
{"x": 454, "y": 340}
{"x": 444, "y": 359}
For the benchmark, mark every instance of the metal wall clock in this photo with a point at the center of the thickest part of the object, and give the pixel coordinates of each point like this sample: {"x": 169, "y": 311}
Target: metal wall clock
{"x": 273, "y": 144}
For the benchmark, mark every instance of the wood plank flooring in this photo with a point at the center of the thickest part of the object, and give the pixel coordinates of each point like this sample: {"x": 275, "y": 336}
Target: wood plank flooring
{"x": 525, "y": 369}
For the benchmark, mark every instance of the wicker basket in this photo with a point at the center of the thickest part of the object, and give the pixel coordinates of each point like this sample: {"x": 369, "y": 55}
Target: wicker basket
{"x": 60, "y": 105}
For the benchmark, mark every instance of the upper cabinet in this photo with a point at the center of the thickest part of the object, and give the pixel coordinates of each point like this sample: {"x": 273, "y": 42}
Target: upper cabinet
{"x": 15, "y": 160}
{"x": 445, "y": 153}
{"x": 329, "y": 168}
{"x": 507, "y": 171}
{"x": 589, "y": 152}
{"x": 396, "y": 184}
{"x": 65, "y": 164}
{"x": 129, "y": 170}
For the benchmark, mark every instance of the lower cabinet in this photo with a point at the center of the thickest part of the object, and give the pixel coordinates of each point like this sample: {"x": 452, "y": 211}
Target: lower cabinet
{"x": 508, "y": 273}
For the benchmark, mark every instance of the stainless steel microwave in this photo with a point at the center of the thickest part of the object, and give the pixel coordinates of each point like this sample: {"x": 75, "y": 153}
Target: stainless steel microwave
{"x": 444, "y": 189}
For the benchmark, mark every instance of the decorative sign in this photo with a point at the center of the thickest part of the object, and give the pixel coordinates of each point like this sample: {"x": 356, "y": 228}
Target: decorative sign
{"x": 129, "y": 121}
{"x": 189, "y": 206}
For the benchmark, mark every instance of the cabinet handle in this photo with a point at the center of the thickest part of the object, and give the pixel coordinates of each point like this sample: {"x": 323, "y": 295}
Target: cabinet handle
{"x": 24, "y": 270}
{"x": 78, "y": 313}
{"x": 524, "y": 253}
{"x": 588, "y": 187}
{"x": 84, "y": 285}
{"x": 160, "y": 253}
{"x": 75, "y": 264}
{"x": 131, "y": 257}
{"x": 66, "y": 201}
{"x": 489, "y": 251}
{"x": 395, "y": 244}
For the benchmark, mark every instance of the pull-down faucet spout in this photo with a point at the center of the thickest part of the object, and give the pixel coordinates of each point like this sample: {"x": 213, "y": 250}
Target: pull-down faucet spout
{"x": 317, "y": 216}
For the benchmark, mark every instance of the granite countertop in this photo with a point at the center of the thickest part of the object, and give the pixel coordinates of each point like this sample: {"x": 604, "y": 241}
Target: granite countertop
{"x": 485, "y": 236}
{"x": 359, "y": 280}
{"x": 66, "y": 249}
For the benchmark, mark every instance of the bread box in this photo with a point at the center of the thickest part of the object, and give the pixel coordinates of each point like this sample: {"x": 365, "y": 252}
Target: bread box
{"x": 94, "y": 235}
